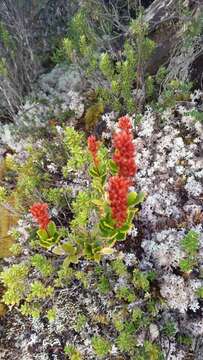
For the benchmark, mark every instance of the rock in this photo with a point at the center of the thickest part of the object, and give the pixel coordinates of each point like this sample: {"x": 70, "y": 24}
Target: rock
{"x": 185, "y": 62}
{"x": 160, "y": 11}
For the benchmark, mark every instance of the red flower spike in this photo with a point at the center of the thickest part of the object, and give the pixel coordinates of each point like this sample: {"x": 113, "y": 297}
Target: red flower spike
{"x": 118, "y": 196}
{"x": 124, "y": 155}
{"x": 40, "y": 213}
{"x": 124, "y": 123}
{"x": 93, "y": 147}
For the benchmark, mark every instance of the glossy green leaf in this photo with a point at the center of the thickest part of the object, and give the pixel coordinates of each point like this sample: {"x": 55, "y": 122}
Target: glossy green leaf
{"x": 70, "y": 259}
{"x": 132, "y": 198}
{"x": 107, "y": 251}
{"x": 47, "y": 243}
{"x": 69, "y": 248}
{"x": 103, "y": 179}
{"x": 58, "y": 250}
{"x": 121, "y": 236}
{"x": 140, "y": 198}
{"x": 108, "y": 225}
{"x": 51, "y": 228}
{"x": 131, "y": 215}
{"x": 125, "y": 228}
{"x": 107, "y": 231}
{"x": 74, "y": 259}
{"x": 101, "y": 169}
{"x": 42, "y": 234}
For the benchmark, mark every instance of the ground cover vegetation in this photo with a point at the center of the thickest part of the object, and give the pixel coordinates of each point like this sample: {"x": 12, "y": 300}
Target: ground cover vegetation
{"x": 107, "y": 189}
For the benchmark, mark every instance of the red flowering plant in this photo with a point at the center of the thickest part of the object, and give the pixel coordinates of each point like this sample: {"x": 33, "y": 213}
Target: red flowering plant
{"x": 124, "y": 155}
{"x": 93, "y": 147}
{"x": 109, "y": 201}
{"x": 47, "y": 231}
{"x": 112, "y": 181}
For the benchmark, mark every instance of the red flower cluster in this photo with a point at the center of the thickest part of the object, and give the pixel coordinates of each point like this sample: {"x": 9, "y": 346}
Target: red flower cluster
{"x": 124, "y": 123}
{"x": 40, "y": 213}
{"x": 118, "y": 196}
{"x": 93, "y": 147}
{"x": 124, "y": 149}
{"x": 124, "y": 157}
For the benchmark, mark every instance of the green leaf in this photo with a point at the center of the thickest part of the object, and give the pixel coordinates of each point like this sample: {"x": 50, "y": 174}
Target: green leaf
{"x": 125, "y": 228}
{"x": 111, "y": 241}
{"x": 107, "y": 232}
{"x": 103, "y": 179}
{"x": 104, "y": 232}
{"x": 131, "y": 215}
{"x": 132, "y": 198}
{"x": 51, "y": 228}
{"x": 74, "y": 259}
{"x": 139, "y": 199}
{"x": 108, "y": 225}
{"x": 47, "y": 243}
{"x": 113, "y": 167}
{"x": 42, "y": 234}
{"x": 69, "y": 248}
{"x": 186, "y": 265}
{"x": 58, "y": 250}
{"x": 93, "y": 172}
{"x": 96, "y": 247}
{"x": 102, "y": 169}
{"x": 70, "y": 259}
{"x": 107, "y": 251}
{"x": 199, "y": 292}
{"x": 121, "y": 236}
{"x": 98, "y": 202}
{"x": 190, "y": 242}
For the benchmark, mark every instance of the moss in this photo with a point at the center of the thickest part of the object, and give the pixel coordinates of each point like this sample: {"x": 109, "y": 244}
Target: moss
{"x": 126, "y": 294}
{"x": 169, "y": 329}
{"x": 101, "y": 346}
{"x": 103, "y": 285}
{"x": 119, "y": 267}
{"x": 72, "y": 352}
{"x": 93, "y": 115}
{"x": 51, "y": 314}
{"x": 80, "y": 322}
{"x": 184, "y": 340}
{"x": 126, "y": 340}
{"x": 140, "y": 280}
{"x": 16, "y": 249}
